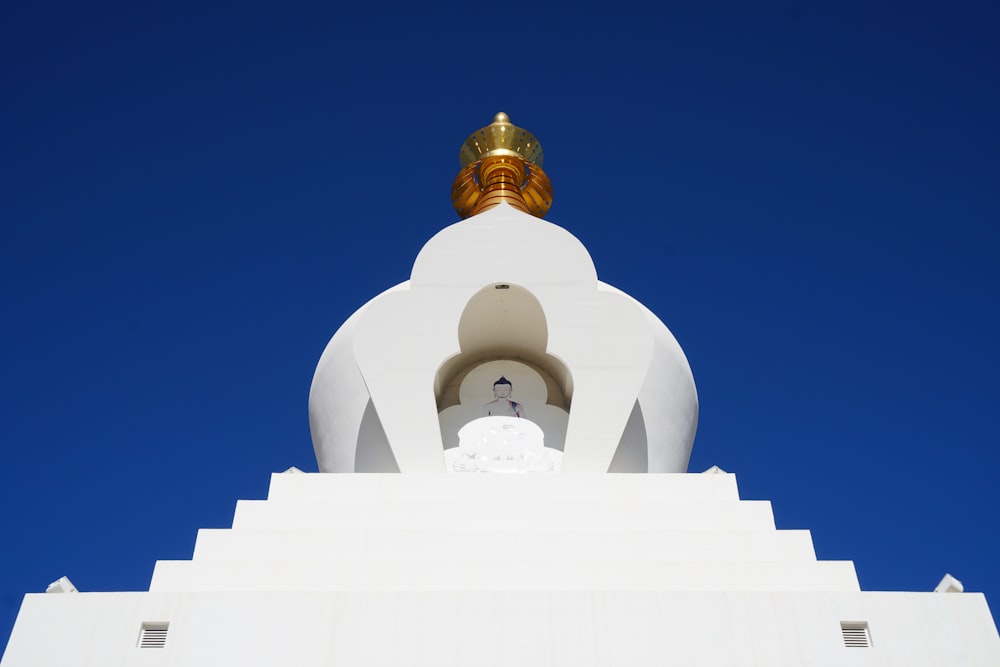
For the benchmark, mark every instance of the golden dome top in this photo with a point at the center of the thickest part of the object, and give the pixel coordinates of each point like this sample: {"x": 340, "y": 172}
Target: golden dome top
{"x": 501, "y": 163}
{"x": 501, "y": 137}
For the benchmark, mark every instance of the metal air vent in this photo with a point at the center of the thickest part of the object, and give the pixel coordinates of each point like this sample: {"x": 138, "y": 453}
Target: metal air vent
{"x": 153, "y": 635}
{"x": 856, "y": 634}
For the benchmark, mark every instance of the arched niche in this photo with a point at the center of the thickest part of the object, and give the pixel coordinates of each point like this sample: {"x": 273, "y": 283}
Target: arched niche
{"x": 503, "y": 332}
{"x": 503, "y": 321}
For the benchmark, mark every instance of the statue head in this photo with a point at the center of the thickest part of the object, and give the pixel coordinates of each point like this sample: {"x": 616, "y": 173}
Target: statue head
{"x": 502, "y": 388}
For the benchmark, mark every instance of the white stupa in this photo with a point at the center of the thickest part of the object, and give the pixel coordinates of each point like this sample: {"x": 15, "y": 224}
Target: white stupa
{"x": 503, "y": 443}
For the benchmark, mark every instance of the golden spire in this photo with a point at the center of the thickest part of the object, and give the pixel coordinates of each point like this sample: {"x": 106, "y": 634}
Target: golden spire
{"x": 501, "y": 162}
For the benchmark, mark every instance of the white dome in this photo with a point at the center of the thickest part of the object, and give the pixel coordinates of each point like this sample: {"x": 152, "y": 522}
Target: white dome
{"x": 503, "y": 286}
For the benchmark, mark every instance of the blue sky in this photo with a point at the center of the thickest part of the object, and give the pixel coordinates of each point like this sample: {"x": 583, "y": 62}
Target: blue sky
{"x": 194, "y": 198}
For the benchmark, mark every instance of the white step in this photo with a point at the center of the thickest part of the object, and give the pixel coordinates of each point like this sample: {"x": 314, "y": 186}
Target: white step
{"x": 395, "y": 513}
{"x": 515, "y": 544}
{"x": 489, "y": 575}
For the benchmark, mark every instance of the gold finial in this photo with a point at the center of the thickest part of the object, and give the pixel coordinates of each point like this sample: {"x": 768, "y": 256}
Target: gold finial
{"x": 501, "y": 162}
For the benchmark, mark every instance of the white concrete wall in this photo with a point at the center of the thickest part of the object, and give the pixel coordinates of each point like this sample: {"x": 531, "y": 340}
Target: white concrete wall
{"x": 495, "y": 629}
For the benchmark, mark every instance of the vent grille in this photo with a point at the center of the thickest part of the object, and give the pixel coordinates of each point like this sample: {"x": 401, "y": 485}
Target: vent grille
{"x": 153, "y": 635}
{"x": 856, "y": 635}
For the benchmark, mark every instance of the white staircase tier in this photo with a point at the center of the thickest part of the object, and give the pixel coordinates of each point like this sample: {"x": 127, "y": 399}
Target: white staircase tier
{"x": 482, "y": 570}
{"x": 587, "y": 532}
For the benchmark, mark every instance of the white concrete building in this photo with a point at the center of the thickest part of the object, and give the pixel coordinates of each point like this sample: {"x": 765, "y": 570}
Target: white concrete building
{"x": 503, "y": 353}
